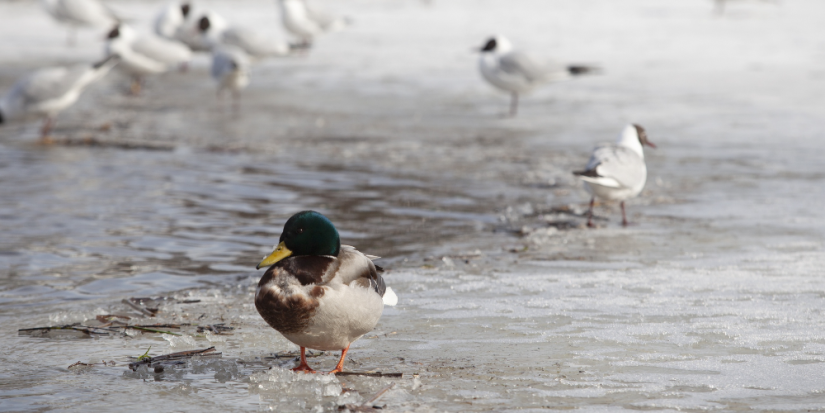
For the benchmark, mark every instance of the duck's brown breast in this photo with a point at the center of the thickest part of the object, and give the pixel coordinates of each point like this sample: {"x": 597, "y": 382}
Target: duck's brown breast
{"x": 283, "y": 301}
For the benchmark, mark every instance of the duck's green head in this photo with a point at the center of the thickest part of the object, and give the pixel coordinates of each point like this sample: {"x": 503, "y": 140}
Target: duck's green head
{"x": 305, "y": 233}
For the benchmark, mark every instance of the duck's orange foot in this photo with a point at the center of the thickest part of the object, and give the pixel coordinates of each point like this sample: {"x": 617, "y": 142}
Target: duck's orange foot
{"x": 46, "y": 140}
{"x": 304, "y": 368}
{"x": 336, "y": 370}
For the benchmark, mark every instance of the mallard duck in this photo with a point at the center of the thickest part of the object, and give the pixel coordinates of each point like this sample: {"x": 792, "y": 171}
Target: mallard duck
{"x": 616, "y": 172}
{"x": 318, "y": 293}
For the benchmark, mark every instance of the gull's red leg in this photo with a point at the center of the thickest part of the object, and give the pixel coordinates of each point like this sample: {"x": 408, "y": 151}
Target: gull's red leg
{"x": 590, "y": 213}
{"x": 340, "y": 366}
{"x": 304, "y": 366}
{"x": 624, "y": 217}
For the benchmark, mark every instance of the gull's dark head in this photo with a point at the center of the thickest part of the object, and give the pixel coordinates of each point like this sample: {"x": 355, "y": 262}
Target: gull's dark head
{"x": 640, "y": 132}
{"x": 490, "y": 46}
{"x": 204, "y": 24}
{"x": 114, "y": 33}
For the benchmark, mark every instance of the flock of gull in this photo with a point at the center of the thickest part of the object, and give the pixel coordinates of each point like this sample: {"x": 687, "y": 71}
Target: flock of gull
{"x": 318, "y": 293}
{"x": 179, "y": 31}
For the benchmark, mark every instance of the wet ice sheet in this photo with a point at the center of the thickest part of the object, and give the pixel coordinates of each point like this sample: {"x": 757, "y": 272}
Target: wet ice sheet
{"x": 667, "y": 335}
{"x": 710, "y": 302}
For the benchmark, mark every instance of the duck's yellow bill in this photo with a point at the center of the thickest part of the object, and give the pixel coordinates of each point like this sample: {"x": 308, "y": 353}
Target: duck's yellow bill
{"x": 281, "y": 252}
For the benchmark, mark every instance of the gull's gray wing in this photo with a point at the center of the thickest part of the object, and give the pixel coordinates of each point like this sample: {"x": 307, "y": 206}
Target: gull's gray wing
{"x": 616, "y": 163}
{"x": 162, "y": 50}
{"x": 226, "y": 59}
{"x": 50, "y": 83}
{"x": 254, "y": 43}
{"x": 90, "y": 12}
{"x": 521, "y": 64}
{"x": 324, "y": 19}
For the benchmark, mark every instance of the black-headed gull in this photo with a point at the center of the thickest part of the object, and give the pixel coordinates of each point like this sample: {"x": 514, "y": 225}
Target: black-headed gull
{"x": 230, "y": 68}
{"x": 46, "y": 92}
{"x": 616, "y": 172}
{"x": 80, "y": 13}
{"x": 171, "y": 19}
{"x": 517, "y": 72}
{"x": 216, "y": 32}
{"x": 145, "y": 54}
{"x": 306, "y": 22}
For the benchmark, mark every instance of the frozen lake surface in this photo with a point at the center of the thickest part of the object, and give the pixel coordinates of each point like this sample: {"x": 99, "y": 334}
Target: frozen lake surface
{"x": 712, "y": 300}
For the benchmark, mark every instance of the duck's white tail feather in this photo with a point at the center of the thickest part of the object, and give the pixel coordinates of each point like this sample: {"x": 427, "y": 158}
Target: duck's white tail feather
{"x": 389, "y": 297}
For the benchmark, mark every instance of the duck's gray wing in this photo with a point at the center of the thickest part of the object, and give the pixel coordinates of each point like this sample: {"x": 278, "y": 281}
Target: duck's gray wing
{"x": 355, "y": 266}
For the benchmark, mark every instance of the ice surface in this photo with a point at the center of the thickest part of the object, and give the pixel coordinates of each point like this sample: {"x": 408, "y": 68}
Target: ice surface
{"x": 711, "y": 301}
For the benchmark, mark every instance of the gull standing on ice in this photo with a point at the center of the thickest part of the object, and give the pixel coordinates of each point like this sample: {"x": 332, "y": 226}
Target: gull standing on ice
{"x": 145, "y": 54}
{"x": 215, "y": 32}
{"x": 516, "y": 72}
{"x": 719, "y": 5}
{"x": 171, "y": 19}
{"x": 80, "y": 13}
{"x": 616, "y": 172}
{"x": 47, "y": 92}
{"x": 306, "y": 22}
{"x": 230, "y": 68}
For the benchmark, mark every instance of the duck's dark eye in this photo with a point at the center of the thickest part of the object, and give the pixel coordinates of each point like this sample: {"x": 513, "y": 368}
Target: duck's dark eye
{"x": 300, "y": 230}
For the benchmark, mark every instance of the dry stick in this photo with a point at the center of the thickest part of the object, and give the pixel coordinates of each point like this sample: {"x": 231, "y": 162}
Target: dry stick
{"x": 378, "y": 395}
{"x": 117, "y": 145}
{"x": 367, "y": 405}
{"x": 110, "y": 317}
{"x": 137, "y": 307}
{"x": 368, "y": 374}
{"x": 293, "y": 355}
{"x": 83, "y": 329}
{"x": 151, "y": 330}
{"x": 175, "y": 356}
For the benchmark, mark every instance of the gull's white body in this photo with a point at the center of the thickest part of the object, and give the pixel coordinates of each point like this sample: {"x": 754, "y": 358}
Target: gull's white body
{"x": 514, "y": 71}
{"x": 620, "y": 166}
{"x": 46, "y": 92}
{"x": 80, "y": 13}
{"x": 253, "y": 43}
{"x": 230, "y": 68}
{"x": 146, "y": 54}
{"x": 306, "y": 22}
{"x": 169, "y": 21}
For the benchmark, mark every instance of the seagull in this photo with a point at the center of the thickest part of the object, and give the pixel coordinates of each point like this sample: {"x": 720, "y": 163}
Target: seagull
{"x": 517, "y": 72}
{"x": 616, "y": 172}
{"x": 215, "y": 31}
{"x": 145, "y": 54}
{"x": 46, "y": 92}
{"x": 171, "y": 18}
{"x": 230, "y": 68}
{"x": 719, "y": 5}
{"x": 306, "y": 22}
{"x": 80, "y": 13}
